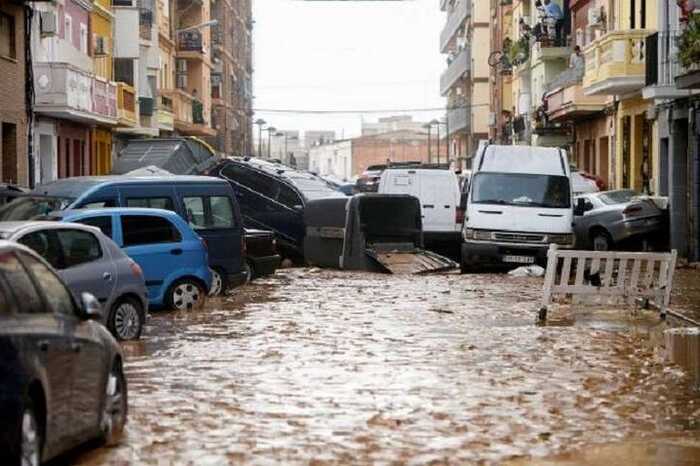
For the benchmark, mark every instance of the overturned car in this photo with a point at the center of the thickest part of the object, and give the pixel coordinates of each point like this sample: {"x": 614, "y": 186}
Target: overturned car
{"x": 373, "y": 232}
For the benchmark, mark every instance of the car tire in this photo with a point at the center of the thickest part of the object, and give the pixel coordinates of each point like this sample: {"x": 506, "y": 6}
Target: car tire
{"x": 218, "y": 283}
{"x": 30, "y": 437}
{"x": 115, "y": 406}
{"x": 248, "y": 271}
{"x": 184, "y": 295}
{"x": 465, "y": 268}
{"x": 126, "y": 319}
{"x": 601, "y": 240}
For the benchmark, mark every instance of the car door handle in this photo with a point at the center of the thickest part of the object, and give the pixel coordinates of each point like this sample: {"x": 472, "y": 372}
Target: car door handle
{"x": 43, "y": 345}
{"x": 107, "y": 276}
{"x": 428, "y": 206}
{"x": 176, "y": 252}
{"x": 76, "y": 347}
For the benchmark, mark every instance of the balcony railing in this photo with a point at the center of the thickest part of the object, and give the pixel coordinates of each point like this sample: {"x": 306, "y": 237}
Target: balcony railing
{"x": 188, "y": 112}
{"x": 66, "y": 91}
{"x": 126, "y": 104}
{"x": 616, "y": 63}
{"x": 455, "y": 19}
{"x": 458, "y": 119}
{"x": 457, "y": 68}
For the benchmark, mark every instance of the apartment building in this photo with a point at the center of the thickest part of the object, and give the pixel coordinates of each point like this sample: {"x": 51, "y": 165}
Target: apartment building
{"x": 13, "y": 111}
{"x": 465, "y": 82}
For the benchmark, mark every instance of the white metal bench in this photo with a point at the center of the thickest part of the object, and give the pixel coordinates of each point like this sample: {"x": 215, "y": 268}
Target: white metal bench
{"x": 616, "y": 276}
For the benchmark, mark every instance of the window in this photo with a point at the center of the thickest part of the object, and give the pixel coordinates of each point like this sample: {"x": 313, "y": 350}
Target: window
{"x": 209, "y": 212}
{"x": 151, "y": 202}
{"x": 288, "y": 197}
{"x": 7, "y": 36}
{"x": 103, "y": 222}
{"x": 79, "y": 247}
{"x": 124, "y": 70}
{"x": 18, "y": 281}
{"x": 143, "y": 229}
{"x": 83, "y": 38}
{"x": 56, "y": 292}
{"x": 44, "y": 243}
{"x": 8, "y": 149}
{"x": 99, "y": 204}
{"x": 259, "y": 183}
{"x": 68, "y": 28}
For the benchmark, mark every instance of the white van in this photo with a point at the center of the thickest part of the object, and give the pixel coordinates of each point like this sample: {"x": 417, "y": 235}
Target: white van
{"x": 519, "y": 202}
{"x": 438, "y": 193}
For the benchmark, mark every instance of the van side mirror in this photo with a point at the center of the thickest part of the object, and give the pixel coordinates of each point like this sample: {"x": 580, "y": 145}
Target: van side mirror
{"x": 580, "y": 207}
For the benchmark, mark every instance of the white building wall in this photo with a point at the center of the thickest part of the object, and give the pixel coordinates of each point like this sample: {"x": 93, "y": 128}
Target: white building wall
{"x": 332, "y": 160}
{"x": 126, "y": 32}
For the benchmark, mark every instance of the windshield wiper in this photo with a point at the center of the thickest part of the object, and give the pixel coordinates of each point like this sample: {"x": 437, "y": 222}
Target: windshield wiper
{"x": 493, "y": 201}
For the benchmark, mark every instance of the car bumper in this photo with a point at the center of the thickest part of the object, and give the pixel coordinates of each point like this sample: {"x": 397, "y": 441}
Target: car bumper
{"x": 236, "y": 279}
{"x": 636, "y": 227}
{"x": 265, "y": 265}
{"x": 505, "y": 254}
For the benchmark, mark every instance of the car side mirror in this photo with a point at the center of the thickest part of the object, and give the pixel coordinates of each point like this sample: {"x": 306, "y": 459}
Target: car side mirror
{"x": 580, "y": 207}
{"x": 90, "y": 306}
{"x": 588, "y": 206}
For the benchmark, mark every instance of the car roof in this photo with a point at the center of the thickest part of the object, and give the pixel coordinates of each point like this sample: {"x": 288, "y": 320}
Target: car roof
{"x": 13, "y": 227}
{"x": 74, "y": 187}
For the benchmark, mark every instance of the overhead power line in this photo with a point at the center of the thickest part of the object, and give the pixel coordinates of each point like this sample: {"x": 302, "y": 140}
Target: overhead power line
{"x": 353, "y": 112}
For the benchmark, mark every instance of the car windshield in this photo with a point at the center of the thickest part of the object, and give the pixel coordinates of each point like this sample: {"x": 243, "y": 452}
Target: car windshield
{"x": 522, "y": 190}
{"x": 31, "y": 207}
{"x": 617, "y": 197}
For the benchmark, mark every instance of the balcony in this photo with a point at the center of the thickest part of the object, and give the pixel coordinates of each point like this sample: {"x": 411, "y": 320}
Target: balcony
{"x": 190, "y": 44}
{"x": 126, "y": 105}
{"x": 455, "y": 19}
{"x": 456, "y": 69}
{"x": 541, "y": 52}
{"x": 662, "y": 67}
{"x": 64, "y": 91}
{"x": 188, "y": 114}
{"x": 566, "y": 99}
{"x": 458, "y": 119}
{"x": 166, "y": 115}
{"x": 616, "y": 63}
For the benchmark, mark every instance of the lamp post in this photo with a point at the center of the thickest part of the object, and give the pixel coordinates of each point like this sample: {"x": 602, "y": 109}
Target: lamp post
{"x": 437, "y": 126}
{"x": 428, "y": 126}
{"x": 270, "y": 130}
{"x": 260, "y": 122}
{"x": 287, "y": 138}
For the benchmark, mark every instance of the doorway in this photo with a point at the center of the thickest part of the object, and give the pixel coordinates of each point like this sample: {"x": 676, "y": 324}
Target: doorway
{"x": 8, "y": 136}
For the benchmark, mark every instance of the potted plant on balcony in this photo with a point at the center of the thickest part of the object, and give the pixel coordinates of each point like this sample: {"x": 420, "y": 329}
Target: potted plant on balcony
{"x": 689, "y": 43}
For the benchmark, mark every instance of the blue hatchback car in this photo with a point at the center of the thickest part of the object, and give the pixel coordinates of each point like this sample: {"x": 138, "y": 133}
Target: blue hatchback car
{"x": 174, "y": 258}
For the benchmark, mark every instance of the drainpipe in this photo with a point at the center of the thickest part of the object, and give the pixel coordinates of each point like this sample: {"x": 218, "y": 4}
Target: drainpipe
{"x": 694, "y": 217}
{"x": 29, "y": 93}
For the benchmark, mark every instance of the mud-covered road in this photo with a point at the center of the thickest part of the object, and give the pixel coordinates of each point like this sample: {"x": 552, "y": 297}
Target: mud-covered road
{"x": 318, "y": 367}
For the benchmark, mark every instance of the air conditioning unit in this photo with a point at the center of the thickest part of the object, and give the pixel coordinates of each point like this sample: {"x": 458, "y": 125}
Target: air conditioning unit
{"x": 595, "y": 16}
{"x": 47, "y": 23}
{"x": 100, "y": 46}
{"x": 181, "y": 66}
{"x": 181, "y": 81}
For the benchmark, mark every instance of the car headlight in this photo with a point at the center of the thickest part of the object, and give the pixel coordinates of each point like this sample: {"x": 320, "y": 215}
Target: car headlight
{"x": 467, "y": 233}
{"x": 561, "y": 239}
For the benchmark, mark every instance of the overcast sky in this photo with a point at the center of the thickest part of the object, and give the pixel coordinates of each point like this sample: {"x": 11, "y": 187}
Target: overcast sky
{"x": 345, "y": 55}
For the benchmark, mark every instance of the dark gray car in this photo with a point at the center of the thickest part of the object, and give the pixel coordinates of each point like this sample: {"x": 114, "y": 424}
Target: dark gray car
{"x": 613, "y": 217}
{"x": 89, "y": 261}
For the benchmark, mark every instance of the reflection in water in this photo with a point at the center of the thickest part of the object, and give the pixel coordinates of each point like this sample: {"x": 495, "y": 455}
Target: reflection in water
{"x": 318, "y": 366}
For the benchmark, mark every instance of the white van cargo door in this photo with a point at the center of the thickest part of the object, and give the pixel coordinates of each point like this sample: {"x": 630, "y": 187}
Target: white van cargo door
{"x": 437, "y": 201}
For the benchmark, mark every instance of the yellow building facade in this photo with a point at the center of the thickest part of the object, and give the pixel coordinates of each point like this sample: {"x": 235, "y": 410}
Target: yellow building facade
{"x": 102, "y": 22}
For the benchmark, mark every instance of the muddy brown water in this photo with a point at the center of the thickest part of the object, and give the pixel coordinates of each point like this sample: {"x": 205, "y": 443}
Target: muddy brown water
{"x": 319, "y": 367}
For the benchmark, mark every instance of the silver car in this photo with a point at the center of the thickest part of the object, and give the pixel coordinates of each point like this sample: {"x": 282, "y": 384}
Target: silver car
{"x": 606, "y": 219}
{"x": 89, "y": 261}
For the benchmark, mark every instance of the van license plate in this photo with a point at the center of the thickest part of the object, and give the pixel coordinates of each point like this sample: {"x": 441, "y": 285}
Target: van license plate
{"x": 519, "y": 259}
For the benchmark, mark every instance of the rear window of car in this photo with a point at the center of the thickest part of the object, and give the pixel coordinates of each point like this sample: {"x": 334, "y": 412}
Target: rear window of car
{"x": 617, "y": 197}
{"x": 103, "y": 222}
{"x": 79, "y": 247}
{"x": 209, "y": 212}
{"x": 17, "y": 279}
{"x": 144, "y": 229}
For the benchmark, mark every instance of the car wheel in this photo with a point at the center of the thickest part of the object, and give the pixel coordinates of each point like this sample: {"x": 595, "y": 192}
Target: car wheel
{"x": 248, "y": 272}
{"x": 184, "y": 295}
{"x": 115, "y": 406}
{"x": 465, "y": 268}
{"x": 601, "y": 240}
{"x": 31, "y": 437}
{"x": 217, "y": 283}
{"x": 126, "y": 319}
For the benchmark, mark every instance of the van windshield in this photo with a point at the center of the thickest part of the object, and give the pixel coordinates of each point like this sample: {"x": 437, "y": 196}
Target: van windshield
{"x": 31, "y": 207}
{"x": 518, "y": 189}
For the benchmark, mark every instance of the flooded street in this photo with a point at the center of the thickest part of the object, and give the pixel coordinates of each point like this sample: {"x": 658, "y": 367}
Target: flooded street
{"x": 320, "y": 367}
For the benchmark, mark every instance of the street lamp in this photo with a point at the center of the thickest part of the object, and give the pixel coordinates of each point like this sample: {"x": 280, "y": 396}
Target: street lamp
{"x": 428, "y": 126}
{"x": 287, "y": 138}
{"x": 260, "y": 122}
{"x": 213, "y": 22}
{"x": 270, "y": 130}
{"x": 436, "y": 123}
